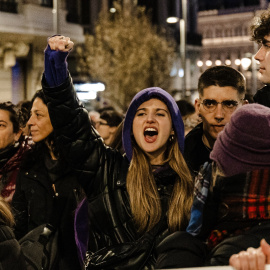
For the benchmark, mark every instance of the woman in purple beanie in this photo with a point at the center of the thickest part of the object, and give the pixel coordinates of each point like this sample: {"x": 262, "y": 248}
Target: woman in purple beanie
{"x": 133, "y": 200}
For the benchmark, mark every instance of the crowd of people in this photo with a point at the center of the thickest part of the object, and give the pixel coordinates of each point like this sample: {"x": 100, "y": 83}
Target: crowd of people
{"x": 165, "y": 185}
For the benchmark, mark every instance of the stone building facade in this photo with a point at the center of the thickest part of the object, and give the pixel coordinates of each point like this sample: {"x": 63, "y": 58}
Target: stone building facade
{"x": 226, "y": 40}
{"x": 24, "y": 28}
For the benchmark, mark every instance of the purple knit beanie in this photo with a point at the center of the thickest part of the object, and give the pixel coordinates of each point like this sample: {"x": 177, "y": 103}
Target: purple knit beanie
{"x": 244, "y": 144}
{"x": 141, "y": 97}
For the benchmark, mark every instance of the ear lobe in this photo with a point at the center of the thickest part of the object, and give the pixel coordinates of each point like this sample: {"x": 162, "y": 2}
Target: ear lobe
{"x": 172, "y": 132}
{"x": 197, "y": 107}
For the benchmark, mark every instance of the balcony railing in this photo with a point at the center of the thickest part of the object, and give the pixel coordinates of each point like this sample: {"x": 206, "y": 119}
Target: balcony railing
{"x": 8, "y": 6}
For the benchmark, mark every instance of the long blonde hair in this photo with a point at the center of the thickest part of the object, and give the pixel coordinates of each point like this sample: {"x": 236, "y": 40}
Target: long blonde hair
{"x": 144, "y": 197}
{"x": 6, "y": 215}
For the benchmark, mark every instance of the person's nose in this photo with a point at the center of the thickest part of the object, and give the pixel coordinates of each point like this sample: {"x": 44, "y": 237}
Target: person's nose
{"x": 30, "y": 121}
{"x": 259, "y": 56}
{"x": 150, "y": 118}
{"x": 219, "y": 112}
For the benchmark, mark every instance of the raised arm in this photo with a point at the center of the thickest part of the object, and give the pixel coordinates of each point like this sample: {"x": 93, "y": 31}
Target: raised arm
{"x": 77, "y": 140}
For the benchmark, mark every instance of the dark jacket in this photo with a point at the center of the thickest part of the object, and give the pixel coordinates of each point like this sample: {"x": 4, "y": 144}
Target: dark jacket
{"x": 196, "y": 153}
{"x": 35, "y": 202}
{"x": 10, "y": 251}
{"x": 263, "y": 96}
{"x": 100, "y": 170}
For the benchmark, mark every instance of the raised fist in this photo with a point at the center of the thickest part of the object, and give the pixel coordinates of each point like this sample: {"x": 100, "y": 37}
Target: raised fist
{"x": 60, "y": 43}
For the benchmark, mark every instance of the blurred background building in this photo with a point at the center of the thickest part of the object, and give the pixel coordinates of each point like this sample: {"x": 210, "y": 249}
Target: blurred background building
{"x": 24, "y": 27}
{"x": 215, "y": 33}
{"x": 225, "y": 28}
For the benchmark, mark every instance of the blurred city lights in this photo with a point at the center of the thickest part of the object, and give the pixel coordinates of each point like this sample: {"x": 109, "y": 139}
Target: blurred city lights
{"x": 237, "y": 62}
{"x": 181, "y": 73}
{"x": 228, "y": 62}
{"x": 245, "y": 62}
{"x": 86, "y": 91}
{"x": 208, "y": 63}
{"x": 200, "y": 63}
{"x": 172, "y": 20}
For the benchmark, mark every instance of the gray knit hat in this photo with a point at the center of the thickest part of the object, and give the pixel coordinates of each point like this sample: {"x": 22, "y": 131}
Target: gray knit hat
{"x": 244, "y": 144}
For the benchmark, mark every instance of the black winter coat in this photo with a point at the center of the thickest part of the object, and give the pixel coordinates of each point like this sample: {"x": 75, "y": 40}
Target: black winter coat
{"x": 35, "y": 203}
{"x": 11, "y": 256}
{"x": 100, "y": 170}
{"x": 196, "y": 153}
{"x": 263, "y": 96}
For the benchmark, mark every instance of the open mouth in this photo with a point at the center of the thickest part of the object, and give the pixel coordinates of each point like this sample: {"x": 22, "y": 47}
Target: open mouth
{"x": 150, "y": 134}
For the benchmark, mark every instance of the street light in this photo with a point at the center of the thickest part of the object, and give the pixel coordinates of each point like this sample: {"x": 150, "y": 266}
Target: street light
{"x": 55, "y": 12}
{"x": 183, "y": 33}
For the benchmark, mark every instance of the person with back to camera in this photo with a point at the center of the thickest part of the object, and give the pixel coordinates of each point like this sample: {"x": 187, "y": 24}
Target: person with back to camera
{"x": 238, "y": 181}
{"x": 221, "y": 92}
{"x": 46, "y": 190}
{"x": 140, "y": 196}
{"x": 189, "y": 115}
{"x": 13, "y": 146}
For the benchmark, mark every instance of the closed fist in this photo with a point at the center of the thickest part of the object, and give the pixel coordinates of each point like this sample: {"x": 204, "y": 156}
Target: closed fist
{"x": 60, "y": 43}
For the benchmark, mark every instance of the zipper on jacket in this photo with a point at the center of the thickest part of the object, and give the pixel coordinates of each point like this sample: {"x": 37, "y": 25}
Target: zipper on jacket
{"x": 54, "y": 190}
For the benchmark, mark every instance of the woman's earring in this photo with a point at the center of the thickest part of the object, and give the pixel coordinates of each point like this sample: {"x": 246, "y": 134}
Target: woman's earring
{"x": 171, "y": 138}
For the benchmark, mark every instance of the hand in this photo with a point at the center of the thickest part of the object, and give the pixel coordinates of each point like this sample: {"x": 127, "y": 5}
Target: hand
{"x": 60, "y": 43}
{"x": 56, "y": 53}
{"x": 252, "y": 259}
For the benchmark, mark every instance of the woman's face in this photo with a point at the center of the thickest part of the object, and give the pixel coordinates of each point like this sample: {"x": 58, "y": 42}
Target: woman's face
{"x": 39, "y": 122}
{"x": 152, "y": 127}
{"x": 7, "y": 135}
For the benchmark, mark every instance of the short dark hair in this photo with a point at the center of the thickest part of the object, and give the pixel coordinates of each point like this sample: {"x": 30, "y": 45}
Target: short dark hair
{"x": 222, "y": 76}
{"x": 112, "y": 117}
{"x": 25, "y": 107}
{"x": 261, "y": 28}
{"x": 185, "y": 107}
{"x": 15, "y": 115}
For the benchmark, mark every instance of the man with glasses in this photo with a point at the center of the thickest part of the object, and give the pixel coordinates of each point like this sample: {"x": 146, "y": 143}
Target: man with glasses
{"x": 221, "y": 91}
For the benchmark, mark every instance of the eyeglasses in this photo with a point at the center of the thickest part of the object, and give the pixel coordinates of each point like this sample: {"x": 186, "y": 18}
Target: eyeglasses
{"x": 211, "y": 104}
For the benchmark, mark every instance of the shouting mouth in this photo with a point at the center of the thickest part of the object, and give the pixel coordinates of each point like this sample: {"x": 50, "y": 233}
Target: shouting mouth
{"x": 150, "y": 135}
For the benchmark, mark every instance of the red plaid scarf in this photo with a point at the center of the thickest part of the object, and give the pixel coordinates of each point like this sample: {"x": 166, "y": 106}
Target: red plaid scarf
{"x": 246, "y": 197}
{"x": 253, "y": 202}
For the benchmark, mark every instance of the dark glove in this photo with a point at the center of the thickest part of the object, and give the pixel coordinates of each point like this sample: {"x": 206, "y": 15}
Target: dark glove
{"x": 56, "y": 66}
